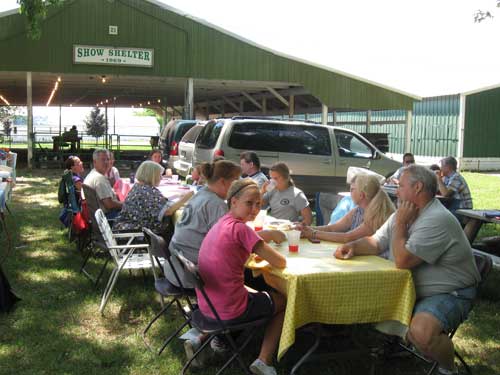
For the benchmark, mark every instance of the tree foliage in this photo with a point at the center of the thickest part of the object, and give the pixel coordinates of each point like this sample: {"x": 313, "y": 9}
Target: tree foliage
{"x": 35, "y": 12}
{"x": 6, "y": 116}
{"x": 96, "y": 125}
{"x": 481, "y": 15}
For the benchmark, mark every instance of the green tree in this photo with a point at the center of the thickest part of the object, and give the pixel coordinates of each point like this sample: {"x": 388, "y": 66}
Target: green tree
{"x": 6, "y": 116}
{"x": 96, "y": 125}
{"x": 35, "y": 12}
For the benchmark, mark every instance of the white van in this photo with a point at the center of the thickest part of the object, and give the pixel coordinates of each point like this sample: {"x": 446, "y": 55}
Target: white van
{"x": 317, "y": 155}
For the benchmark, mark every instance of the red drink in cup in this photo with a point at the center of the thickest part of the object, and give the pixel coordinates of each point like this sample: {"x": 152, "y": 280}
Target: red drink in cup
{"x": 257, "y": 228}
{"x": 293, "y": 237}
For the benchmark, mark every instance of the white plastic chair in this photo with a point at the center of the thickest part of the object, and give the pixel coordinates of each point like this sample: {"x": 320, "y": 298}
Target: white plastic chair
{"x": 124, "y": 256}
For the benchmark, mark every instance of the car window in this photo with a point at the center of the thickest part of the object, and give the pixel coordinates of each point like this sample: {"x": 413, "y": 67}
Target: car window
{"x": 255, "y": 136}
{"x": 182, "y": 128}
{"x": 209, "y": 135}
{"x": 191, "y": 134}
{"x": 350, "y": 145}
{"x": 303, "y": 139}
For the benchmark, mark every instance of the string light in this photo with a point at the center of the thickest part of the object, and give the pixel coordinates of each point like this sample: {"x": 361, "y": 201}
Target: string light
{"x": 159, "y": 101}
{"x": 103, "y": 79}
{"x": 56, "y": 86}
{"x": 4, "y": 100}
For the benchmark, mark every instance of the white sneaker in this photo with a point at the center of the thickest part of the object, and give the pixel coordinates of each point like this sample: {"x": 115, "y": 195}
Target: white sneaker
{"x": 258, "y": 367}
{"x": 191, "y": 346}
{"x": 219, "y": 346}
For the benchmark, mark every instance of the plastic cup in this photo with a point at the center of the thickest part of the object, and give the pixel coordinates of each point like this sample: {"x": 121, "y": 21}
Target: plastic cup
{"x": 271, "y": 185}
{"x": 175, "y": 177}
{"x": 293, "y": 237}
{"x": 258, "y": 223}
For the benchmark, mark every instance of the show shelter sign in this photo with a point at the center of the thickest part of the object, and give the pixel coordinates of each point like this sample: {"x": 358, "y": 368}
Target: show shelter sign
{"x": 100, "y": 55}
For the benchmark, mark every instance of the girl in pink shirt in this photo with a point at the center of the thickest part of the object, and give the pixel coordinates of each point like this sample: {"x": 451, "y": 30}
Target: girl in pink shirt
{"x": 221, "y": 262}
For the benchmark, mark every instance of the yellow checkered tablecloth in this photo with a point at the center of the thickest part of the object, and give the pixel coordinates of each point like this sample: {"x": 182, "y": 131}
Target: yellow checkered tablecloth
{"x": 323, "y": 289}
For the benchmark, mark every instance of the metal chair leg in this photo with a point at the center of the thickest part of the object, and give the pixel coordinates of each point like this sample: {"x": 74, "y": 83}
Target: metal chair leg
{"x": 109, "y": 289}
{"x": 312, "y": 349}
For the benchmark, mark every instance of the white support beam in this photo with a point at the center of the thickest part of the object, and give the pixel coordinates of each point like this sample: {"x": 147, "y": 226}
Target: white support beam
{"x": 189, "y": 99}
{"x": 461, "y": 129}
{"x": 368, "y": 121}
{"x": 278, "y": 96}
{"x": 251, "y": 100}
{"x": 29, "y": 105}
{"x": 324, "y": 114}
{"x": 334, "y": 118}
{"x": 408, "y": 131}
{"x": 232, "y": 104}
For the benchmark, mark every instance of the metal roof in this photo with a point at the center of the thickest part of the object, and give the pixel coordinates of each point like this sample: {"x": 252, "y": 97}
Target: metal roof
{"x": 224, "y": 66}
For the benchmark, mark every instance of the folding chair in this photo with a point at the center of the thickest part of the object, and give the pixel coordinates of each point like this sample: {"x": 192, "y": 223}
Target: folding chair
{"x": 158, "y": 252}
{"x": 484, "y": 265}
{"x": 216, "y": 327}
{"x": 123, "y": 256}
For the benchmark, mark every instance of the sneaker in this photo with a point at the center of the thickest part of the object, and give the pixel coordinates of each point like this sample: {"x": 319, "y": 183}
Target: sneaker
{"x": 258, "y": 367}
{"x": 218, "y": 345}
{"x": 191, "y": 346}
{"x": 444, "y": 371}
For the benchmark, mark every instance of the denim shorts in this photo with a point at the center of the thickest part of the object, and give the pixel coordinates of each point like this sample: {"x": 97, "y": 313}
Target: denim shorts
{"x": 450, "y": 309}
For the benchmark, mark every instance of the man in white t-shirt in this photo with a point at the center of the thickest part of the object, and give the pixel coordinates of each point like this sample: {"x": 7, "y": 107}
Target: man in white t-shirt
{"x": 423, "y": 236}
{"x": 97, "y": 180}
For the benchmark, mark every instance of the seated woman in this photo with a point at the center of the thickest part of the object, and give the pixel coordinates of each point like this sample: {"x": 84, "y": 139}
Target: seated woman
{"x": 373, "y": 208}
{"x": 222, "y": 259}
{"x": 156, "y": 155}
{"x": 112, "y": 174}
{"x": 75, "y": 165}
{"x": 145, "y": 206}
{"x": 200, "y": 214}
{"x": 285, "y": 200}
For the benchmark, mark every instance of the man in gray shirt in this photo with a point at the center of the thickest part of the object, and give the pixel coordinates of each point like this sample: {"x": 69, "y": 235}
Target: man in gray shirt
{"x": 250, "y": 167}
{"x": 426, "y": 238}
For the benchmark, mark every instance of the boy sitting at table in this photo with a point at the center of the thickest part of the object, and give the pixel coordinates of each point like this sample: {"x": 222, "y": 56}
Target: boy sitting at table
{"x": 221, "y": 261}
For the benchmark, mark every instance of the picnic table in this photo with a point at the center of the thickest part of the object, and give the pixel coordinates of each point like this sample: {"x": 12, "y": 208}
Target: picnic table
{"x": 172, "y": 190}
{"x": 476, "y": 219}
{"x": 323, "y": 289}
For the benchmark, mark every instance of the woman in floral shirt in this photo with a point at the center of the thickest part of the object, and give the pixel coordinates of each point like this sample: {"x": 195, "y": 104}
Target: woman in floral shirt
{"x": 145, "y": 206}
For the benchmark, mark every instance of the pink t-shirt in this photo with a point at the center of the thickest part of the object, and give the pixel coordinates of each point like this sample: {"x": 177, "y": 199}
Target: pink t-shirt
{"x": 221, "y": 262}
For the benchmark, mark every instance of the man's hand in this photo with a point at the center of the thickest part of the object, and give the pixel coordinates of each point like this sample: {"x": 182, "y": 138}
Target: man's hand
{"x": 406, "y": 213}
{"x": 305, "y": 231}
{"x": 345, "y": 251}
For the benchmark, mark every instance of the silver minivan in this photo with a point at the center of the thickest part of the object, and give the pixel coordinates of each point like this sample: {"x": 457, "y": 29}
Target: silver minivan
{"x": 317, "y": 155}
{"x": 184, "y": 163}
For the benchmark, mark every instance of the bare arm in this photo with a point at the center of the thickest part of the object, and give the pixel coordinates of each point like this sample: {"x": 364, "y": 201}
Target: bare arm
{"x": 171, "y": 210}
{"x": 403, "y": 258}
{"x": 362, "y": 231}
{"x": 307, "y": 217}
{"x": 272, "y": 235}
{"x": 111, "y": 204}
{"x": 443, "y": 190}
{"x": 363, "y": 246}
{"x": 266, "y": 252}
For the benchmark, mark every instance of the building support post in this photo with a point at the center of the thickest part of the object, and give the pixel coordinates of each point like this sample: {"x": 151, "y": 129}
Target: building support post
{"x": 29, "y": 104}
{"x": 324, "y": 114}
{"x": 368, "y": 121}
{"x": 461, "y": 130}
{"x": 264, "y": 106}
{"x": 409, "y": 116}
{"x": 291, "y": 106}
{"x": 189, "y": 100}
{"x": 334, "y": 118}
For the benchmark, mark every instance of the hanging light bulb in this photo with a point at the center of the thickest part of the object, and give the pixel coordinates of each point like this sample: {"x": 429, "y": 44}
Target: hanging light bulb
{"x": 103, "y": 79}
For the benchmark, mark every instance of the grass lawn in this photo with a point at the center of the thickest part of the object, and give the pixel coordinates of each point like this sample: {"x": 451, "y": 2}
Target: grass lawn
{"x": 57, "y": 329}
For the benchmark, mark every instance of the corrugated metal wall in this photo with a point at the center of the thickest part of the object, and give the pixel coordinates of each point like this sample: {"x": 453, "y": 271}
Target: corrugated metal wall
{"x": 482, "y": 129}
{"x": 434, "y": 126}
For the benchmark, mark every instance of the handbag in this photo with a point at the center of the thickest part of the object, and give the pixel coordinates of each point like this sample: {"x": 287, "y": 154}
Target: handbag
{"x": 64, "y": 217}
{"x": 79, "y": 223}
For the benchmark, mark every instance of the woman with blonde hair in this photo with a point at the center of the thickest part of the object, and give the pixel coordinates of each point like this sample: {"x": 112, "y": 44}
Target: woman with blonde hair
{"x": 373, "y": 208}
{"x": 145, "y": 206}
{"x": 285, "y": 200}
